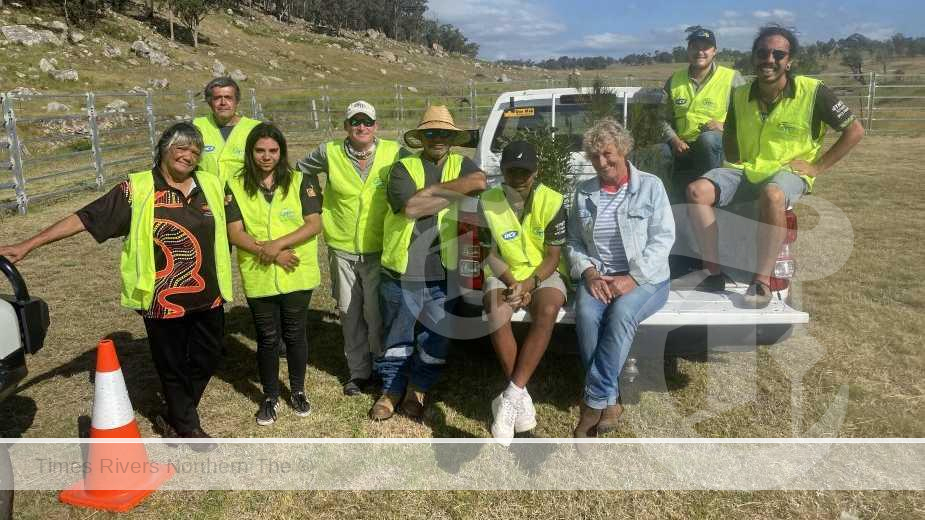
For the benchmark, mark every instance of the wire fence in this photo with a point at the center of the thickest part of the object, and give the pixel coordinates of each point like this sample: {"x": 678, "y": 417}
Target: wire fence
{"x": 52, "y": 145}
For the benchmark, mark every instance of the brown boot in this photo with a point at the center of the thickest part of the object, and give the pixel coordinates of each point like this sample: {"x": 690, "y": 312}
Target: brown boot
{"x": 610, "y": 418}
{"x": 588, "y": 420}
{"x": 413, "y": 404}
{"x": 384, "y": 407}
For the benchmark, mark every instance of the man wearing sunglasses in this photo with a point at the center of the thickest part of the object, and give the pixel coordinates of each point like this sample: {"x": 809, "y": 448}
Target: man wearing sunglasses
{"x": 774, "y": 132}
{"x": 419, "y": 250}
{"x": 353, "y": 210}
{"x": 695, "y": 110}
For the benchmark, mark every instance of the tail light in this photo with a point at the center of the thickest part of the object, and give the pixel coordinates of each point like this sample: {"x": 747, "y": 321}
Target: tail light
{"x": 470, "y": 251}
{"x": 786, "y": 266}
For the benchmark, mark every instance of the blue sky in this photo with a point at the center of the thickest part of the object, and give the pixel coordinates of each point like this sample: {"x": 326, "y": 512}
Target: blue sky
{"x": 539, "y": 29}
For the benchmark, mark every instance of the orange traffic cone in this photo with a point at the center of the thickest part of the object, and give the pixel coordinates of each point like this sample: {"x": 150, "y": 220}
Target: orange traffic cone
{"x": 119, "y": 475}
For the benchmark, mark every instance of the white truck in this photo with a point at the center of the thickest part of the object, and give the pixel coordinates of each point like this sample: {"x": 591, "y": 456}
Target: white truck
{"x": 23, "y": 324}
{"x": 688, "y": 313}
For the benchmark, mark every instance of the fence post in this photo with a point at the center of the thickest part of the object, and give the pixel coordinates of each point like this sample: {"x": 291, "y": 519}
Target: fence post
{"x": 149, "y": 112}
{"x": 9, "y": 119}
{"x": 315, "y": 113}
{"x": 254, "y": 103}
{"x": 95, "y": 139}
{"x": 191, "y": 104}
{"x": 871, "y": 88}
{"x": 472, "y": 114}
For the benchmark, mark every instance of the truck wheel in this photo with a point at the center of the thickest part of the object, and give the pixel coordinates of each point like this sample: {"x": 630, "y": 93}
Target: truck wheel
{"x": 6, "y": 484}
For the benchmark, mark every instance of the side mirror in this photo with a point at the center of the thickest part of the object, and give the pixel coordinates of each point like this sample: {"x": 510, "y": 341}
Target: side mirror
{"x": 31, "y": 312}
{"x": 473, "y": 141}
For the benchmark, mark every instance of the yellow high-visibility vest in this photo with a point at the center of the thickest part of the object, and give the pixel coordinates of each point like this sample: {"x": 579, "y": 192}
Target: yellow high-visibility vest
{"x": 221, "y": 157}
{"x": 266, "y": 221}
{"x": 522, "y": 245}
{"x": 137, "y": 260}
{"x": 354, "y": 210}
{"x": 398, "y": 228}
{"x": 693, "y": 109}
{"x": 767, "y": 146}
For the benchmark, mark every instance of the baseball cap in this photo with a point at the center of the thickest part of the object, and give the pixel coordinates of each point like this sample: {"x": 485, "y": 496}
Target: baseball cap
{"x": 702, "y": 34}
{"x": 519, "y": 154}
{"x": 360, "y": 107}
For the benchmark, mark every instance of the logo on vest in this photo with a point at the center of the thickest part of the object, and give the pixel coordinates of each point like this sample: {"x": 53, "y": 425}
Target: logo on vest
{"x": 509, "y": 235}
{"x": 708, "y": 103}
{"x": 210, "y": 148}
{"x": 538, "y": 231}
{"x": 680, "y": 101}
{"x": 788, "y": 128}
{"x": 287, "y": 214}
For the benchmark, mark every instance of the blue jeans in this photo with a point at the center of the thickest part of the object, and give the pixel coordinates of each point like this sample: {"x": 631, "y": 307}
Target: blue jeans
{"x": 706, "y": 153}
{"x": 605, "y": 335}
{"x": 411, "y": 349}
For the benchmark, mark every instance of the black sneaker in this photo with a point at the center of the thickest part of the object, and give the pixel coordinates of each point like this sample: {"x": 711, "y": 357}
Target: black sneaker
{"x": 165, "y": 430}
{"x": 353, "y": 387}
{"x": 201, "y": 447}
{"x": 266, "y": 415}
{"x": 300, "y": 405}
{"x": 358, "y": 386}
{"x": 713, "y": 283}
{"x": 758, "y": 295}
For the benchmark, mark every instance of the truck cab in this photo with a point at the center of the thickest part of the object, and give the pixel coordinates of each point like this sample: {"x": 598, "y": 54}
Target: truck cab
{"x": 687, "y": 310}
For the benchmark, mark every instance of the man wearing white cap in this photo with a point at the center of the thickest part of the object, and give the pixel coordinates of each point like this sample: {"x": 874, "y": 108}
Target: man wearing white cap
{"x": 418, "y": 251}
{"x": 353, "y": 210}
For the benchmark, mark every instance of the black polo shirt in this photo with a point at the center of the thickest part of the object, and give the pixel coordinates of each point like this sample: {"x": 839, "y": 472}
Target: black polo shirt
{"x": 184, "y": 237}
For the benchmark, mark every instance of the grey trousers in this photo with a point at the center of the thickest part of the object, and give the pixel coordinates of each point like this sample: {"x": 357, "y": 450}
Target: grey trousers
{"x": 355, "y": 286}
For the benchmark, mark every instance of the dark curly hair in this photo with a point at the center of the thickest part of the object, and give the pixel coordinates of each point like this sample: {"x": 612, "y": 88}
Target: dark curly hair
{"x": 777, "y": 30}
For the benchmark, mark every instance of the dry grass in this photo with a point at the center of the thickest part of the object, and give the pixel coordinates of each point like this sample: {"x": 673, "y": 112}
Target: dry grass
{"x": 864, "y": 333}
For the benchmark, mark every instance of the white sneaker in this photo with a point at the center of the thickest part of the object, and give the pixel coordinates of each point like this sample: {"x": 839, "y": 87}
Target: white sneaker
{"x": 526, "y": 414}
{"x": 505, "y": 413}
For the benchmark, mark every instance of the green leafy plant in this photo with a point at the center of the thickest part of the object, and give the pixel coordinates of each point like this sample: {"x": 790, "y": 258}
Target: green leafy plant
{"x": 552, "y": 151}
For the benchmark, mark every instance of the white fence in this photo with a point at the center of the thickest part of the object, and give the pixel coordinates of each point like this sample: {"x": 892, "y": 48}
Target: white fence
{"x": 54, "y": 144}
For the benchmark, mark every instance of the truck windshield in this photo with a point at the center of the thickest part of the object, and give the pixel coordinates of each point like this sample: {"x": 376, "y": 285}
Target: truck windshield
{"x": 571, "y": 120}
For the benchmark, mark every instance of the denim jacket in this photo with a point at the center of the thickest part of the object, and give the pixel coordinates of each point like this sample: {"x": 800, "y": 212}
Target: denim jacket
{"x": 645, "y": 221}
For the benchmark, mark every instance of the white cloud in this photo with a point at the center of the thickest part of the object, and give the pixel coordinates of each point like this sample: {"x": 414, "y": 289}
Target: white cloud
{"x": 782, "y": 15}
{"x": 502, "y": 28}
{"x": 730, "y": 14}
{"x": 608, "y": 40}
{"x": 871, "y": 30}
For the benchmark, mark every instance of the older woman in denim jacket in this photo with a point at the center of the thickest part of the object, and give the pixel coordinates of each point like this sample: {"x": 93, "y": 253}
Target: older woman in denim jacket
{"x": 620, "y": 231}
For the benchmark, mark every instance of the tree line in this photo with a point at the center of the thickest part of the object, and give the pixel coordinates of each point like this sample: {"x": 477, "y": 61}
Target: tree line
{"x": 402, "y": 20}
{"x": 855, "y": 52}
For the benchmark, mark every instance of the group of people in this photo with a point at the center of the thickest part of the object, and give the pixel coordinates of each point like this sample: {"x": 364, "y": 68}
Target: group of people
{"x": 389, "y": 220}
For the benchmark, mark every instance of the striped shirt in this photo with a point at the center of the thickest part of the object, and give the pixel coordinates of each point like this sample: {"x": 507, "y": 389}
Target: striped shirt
{"x": 607, "y": 233}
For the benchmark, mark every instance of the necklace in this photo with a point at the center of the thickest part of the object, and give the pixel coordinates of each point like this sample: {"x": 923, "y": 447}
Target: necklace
{"x": 362, "y": 156}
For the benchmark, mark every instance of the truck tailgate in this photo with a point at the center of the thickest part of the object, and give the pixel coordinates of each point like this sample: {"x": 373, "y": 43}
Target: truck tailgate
{"x": 690, "y": 307}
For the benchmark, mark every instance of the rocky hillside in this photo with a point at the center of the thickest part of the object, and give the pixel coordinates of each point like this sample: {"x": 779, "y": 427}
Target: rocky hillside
{"x": 125, "y": 52}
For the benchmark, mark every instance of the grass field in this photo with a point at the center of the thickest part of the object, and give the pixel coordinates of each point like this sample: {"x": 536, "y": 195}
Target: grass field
{"x": 865, "y": 332}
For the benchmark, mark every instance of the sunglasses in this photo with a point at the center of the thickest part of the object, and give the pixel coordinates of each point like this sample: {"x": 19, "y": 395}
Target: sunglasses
{"x": 764, "y": 52}
{"x": 437, "y": 134}
{"x": 365, "y": 122}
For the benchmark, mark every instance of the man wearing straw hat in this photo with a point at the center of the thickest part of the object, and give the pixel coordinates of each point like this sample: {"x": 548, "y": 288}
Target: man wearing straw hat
{"x": 419, "y": 249}
{"x": 354, "y": 209}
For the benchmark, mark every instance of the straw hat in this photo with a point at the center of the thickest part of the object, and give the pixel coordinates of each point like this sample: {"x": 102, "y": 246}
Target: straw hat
{"x": 436, "y": 117}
